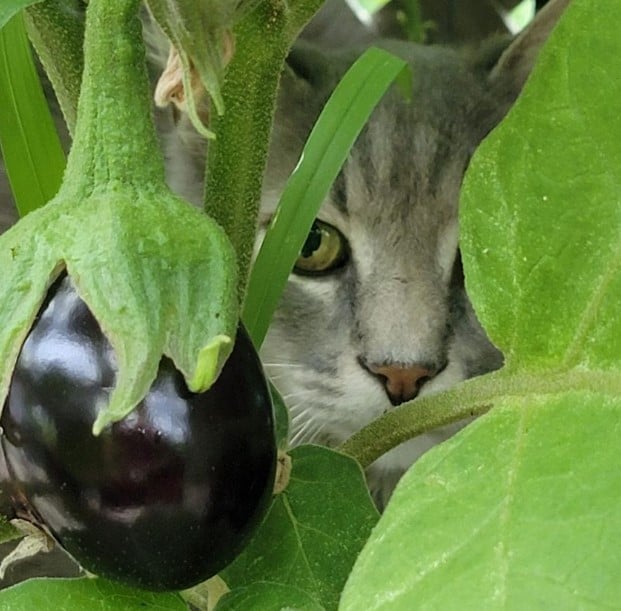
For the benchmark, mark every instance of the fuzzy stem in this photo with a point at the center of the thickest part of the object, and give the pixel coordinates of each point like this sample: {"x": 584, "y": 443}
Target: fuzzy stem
{"x": 414, "y": 418}
{"x": 115, "y": 143}
{"x": 472, "y": 398}
{"x": 237, "y": 158}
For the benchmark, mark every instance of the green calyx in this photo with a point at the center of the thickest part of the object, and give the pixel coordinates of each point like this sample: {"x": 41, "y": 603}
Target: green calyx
{"x": 159, "y": 276}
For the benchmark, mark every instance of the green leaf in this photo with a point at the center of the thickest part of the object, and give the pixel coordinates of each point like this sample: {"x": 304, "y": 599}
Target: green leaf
{"x": 31, "y": 149}
{"x": 541, "y": 215}
{"x": 328, "y": 145}
{"x": 522, "y": 509}
{"x": 85, "y": 595}
{"x": 314, "y": 530}
{"x": 268, "y": 597}
{"x": 10, "y": 8}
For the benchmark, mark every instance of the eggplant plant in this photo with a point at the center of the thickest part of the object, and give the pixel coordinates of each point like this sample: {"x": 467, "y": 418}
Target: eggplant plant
{"x": 145, "y": 447}
{"x": 521, "y": 509}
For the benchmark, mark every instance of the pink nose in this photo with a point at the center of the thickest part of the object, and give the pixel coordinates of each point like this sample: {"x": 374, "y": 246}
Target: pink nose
{"x": 402, "y": 383}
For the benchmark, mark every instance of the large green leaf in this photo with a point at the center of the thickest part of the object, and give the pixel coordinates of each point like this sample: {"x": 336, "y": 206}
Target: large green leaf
{"x": 522, "y": 510}
{"x": 511, "y": 514}
{"x": 314, "y": 531}
{"x": 85, "y": 595}
{"x": 541, "y": 211}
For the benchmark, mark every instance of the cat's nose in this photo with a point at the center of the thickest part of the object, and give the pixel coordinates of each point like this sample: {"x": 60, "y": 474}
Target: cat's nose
{"x": 402, "y": 383}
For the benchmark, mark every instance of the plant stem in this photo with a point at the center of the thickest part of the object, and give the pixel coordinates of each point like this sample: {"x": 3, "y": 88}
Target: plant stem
{"x": 237, "y": 158}
{"x": 472, "y": 398}
{"x": 415, "y": 418}
{"x": 56, "y": 29}
{"x": 115, "y": 143}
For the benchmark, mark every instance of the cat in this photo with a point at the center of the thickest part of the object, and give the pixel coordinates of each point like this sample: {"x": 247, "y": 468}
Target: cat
{"x": 375, "y": 312}
{"x": 386, "y": 318}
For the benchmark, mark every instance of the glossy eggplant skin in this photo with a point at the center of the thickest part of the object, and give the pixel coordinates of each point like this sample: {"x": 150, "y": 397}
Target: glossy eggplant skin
{"x": 161, "y": 500}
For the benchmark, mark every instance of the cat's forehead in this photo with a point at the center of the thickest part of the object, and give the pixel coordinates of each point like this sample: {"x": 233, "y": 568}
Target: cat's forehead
{"x": 408, "y": 162}
{"x": 403, "y": 171}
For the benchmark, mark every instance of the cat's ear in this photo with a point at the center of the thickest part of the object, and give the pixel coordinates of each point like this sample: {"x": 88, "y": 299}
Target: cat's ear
{"x": 308, "y": 78}
{"x": 512, "y": 68}
{"x": 310, "y": 67}
{"x": 304, "y": 87}
{"x": 335, "y": 26}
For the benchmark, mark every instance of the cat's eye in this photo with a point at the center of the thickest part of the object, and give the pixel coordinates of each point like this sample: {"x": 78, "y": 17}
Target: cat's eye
{"x": 325, "y": 250}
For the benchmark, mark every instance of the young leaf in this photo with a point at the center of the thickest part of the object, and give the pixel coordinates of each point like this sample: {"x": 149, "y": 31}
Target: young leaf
{"x": 314, "y": 531}
{"x": 85, "y": 595}
{"x": 328, "y": 145}
{"x": 522, "y": 509}
{"x": 31, "y": 149}
{"x": 261, "y": 596}
{"x": 201, "y": 34}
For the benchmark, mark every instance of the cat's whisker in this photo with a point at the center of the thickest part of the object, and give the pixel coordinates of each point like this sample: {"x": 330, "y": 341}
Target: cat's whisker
{"x": 304, "y": 433}
{"x": 281, "y": 376}
{"x": 287, "y": 365}
{"x": 316, "y": 435}
{"x": 297, "y": 394}
{"x": 300, "y": 436}
{"x": 310, "y": 431}
{"x": 299, "y": 415}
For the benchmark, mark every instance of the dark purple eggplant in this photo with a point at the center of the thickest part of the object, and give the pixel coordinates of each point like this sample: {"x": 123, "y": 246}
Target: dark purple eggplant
{"x": 161, "y": 500}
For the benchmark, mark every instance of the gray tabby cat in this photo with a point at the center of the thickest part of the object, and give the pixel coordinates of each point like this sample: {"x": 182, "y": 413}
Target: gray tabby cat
{"x": 375, "y": 312}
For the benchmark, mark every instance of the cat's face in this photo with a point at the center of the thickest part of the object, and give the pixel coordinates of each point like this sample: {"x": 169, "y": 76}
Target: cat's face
{"x": 375, "y": 312}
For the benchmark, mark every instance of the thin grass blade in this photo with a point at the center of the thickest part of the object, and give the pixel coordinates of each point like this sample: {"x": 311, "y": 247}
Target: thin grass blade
{"x": 32, "y": 153}
{"x": 328, "y": 145}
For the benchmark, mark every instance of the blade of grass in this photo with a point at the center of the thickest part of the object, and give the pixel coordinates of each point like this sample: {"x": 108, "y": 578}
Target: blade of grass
{"x": 10, "y": 8}
{"x": 33, "y": 157}
{"x": 328, "y": 145}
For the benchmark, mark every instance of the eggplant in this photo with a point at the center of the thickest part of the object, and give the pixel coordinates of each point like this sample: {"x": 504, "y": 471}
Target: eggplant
{"x": 165, "y": 497}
